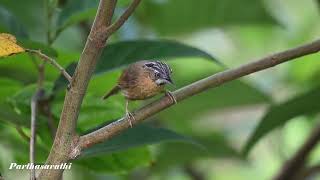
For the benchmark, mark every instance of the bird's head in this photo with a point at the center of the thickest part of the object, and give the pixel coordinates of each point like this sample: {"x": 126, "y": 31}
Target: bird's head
{"x": 161, "y": 72}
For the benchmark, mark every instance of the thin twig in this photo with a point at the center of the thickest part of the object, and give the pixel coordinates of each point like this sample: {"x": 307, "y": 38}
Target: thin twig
{"x": 123, "y": 18}
{"x": 294, "y": 165}
{"x": 51, "y": 61}
{"x": 34, "y": 106}
{"x": 215, "y": 80}
{"x": 33, "y": 136}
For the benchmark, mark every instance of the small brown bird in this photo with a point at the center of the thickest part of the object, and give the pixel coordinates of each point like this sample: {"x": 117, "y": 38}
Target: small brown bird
{"x": 143, "y": 80}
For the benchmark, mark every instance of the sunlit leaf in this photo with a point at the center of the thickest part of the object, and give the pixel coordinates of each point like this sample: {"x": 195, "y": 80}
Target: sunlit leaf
{"x": 278, "y": 115}
{"x": 8, "y": 45}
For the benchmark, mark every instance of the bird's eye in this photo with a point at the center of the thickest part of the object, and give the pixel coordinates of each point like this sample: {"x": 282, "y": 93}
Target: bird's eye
{"x": 157, "y": 74}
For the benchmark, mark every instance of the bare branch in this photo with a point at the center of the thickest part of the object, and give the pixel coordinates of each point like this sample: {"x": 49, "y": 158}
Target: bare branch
{"x": 308, "y": 172}
{"x": 65, "y": 138}
{"x": 111, "y": 6}
{"x": 33, "y": 136}
{"x": 123, "y": 18}
{"x": 215, "y": 80}
{"x": 51, "y": 61}
{"x": 34, "y": 104}
{"x": 294, "y": 165}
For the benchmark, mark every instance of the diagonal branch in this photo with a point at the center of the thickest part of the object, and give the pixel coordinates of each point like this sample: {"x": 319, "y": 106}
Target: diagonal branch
{"x": 51, "y": 61}
{"x": 123, "y": 18}
{"x": 215, "y": 80}
{"x": 294, "y": 165}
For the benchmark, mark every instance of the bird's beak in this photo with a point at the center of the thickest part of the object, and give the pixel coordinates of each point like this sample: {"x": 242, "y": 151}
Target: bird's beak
{"x": 169, "y": 81}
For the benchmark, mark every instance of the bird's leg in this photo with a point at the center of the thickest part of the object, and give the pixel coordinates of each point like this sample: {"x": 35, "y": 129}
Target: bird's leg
{"x": 171, "y": 96}
{"x": 129, "y": 115}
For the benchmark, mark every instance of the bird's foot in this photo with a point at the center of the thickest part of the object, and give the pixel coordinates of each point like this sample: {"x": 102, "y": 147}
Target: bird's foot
{"x": 130, "y": 117}
{"x": 172, "y": 97}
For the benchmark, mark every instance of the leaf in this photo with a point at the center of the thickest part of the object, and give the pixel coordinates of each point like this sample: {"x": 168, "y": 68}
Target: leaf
{"x": 186, "y": 16}
{"x": 76, "y": 11}
{"x": 8, "y": 45}
{"x": 11, "y": 86}
{"x": 62, "y": 82}
{"x": 118, "y": 162}
{"x": 137, "y": 136}
{"x": 278, "y": 115}
{"x": 18, "y": 147}
{"x": 178, "y": 153}
{"x": 9, "y": 23}
{"x": 9, "y": 115}
{"x": 123, "y": 53}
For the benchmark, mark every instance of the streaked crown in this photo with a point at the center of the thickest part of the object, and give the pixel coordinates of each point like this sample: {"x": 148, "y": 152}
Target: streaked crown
{"x": 162, "y": 72}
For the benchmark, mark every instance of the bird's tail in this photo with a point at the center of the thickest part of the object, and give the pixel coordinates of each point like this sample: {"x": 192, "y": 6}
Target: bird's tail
{"x": 113, "y": 91}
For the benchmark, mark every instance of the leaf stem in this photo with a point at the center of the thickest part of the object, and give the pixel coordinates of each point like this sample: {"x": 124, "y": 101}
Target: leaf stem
{"x": 51, "y": 61}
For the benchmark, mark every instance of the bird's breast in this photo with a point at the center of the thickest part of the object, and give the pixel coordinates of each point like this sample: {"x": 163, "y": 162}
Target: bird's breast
{"x": 143, "y": 89}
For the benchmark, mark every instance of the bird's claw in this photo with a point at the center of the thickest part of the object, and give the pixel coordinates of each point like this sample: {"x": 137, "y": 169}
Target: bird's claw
{"x": 172, "y": 97}
{"x": 130, "y": 117}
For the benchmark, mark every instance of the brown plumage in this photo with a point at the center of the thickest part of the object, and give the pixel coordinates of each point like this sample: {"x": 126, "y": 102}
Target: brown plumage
{"x": 142, "y": 80}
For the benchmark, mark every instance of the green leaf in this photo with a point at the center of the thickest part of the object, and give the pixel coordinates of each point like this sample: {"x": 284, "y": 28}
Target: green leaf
{"x": 118, "y": 162}
{"x": 76, "y": 11}
{"x": 278, "y": 115}
{"x": 19, "y": 147}
{"x": 183, "y": 116}
{"x": 185, "y": 16}
{"x": 123, "y": 53}
{"x": 10, "y": 24}
{"x": 62, "y": 82}
{"x": 137, "y": 136}
{"x": 177, "y": 153}
{"x": 8, "y": 114}
{"x": 11, "y": 86}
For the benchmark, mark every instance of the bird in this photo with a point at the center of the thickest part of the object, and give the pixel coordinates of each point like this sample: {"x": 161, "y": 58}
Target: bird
{"x": 142, "y": 80}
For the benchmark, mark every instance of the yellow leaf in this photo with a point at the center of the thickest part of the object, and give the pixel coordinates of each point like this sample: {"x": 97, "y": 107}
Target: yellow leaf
{"x": 8, "y": 45}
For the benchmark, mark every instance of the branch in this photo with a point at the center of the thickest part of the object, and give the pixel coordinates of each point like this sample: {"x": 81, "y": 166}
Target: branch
{"x": 66, "y": 137}
{"x": 294, "y": 165}
{"x": 51, "y": 61}
{"x": 34, "y": 105}
{"x": 308, "y": 172}
{"x": 218, "y": 79}
{"x": 123, "y": 18}
{"x": 33, "y": 135}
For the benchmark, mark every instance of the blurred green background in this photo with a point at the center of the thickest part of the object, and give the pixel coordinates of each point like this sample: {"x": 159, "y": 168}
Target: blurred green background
{"x": 242, "y": 130}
